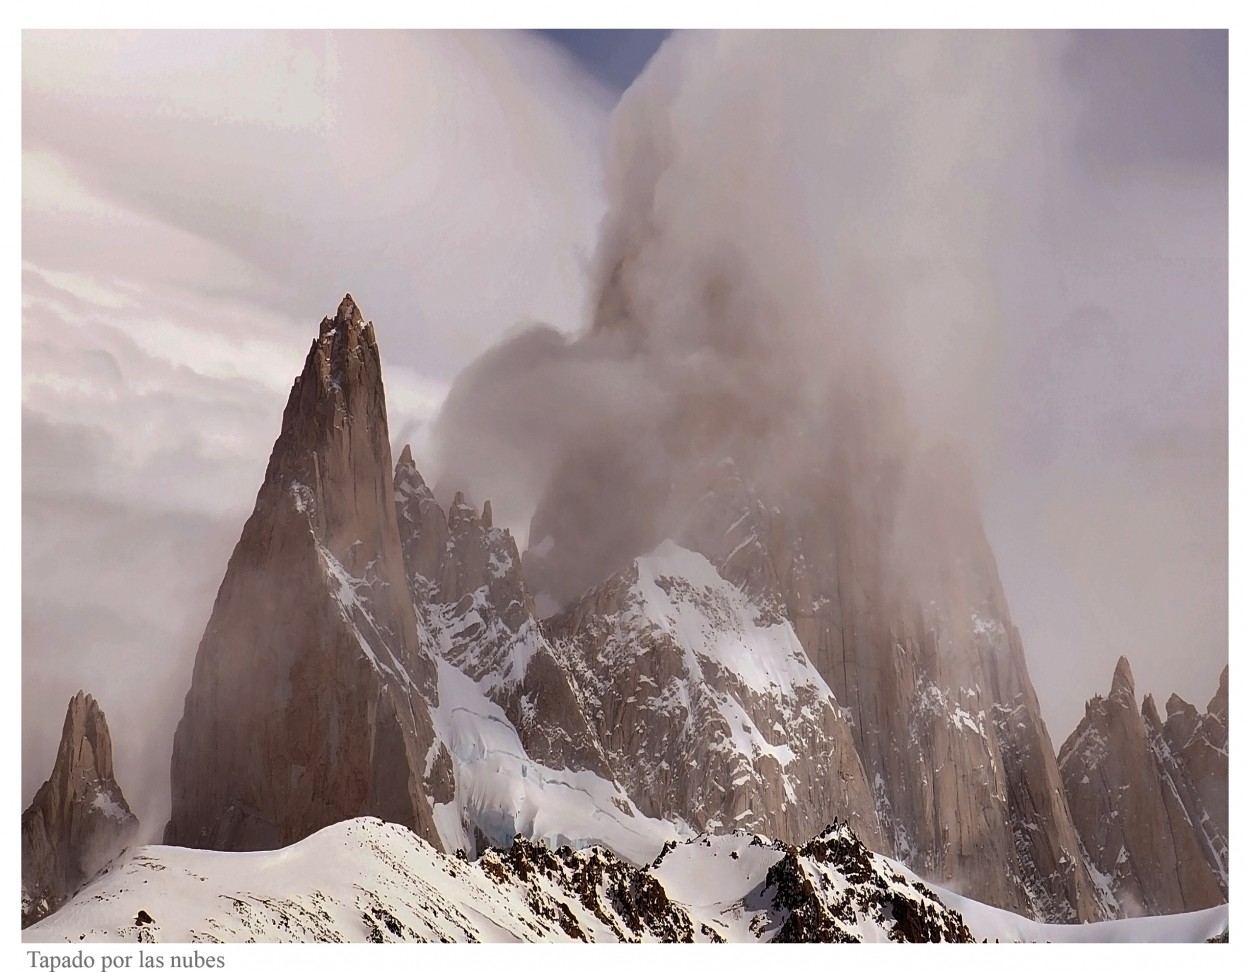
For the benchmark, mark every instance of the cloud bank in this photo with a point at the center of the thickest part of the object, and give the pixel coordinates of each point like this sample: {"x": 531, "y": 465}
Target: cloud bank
{"x": 193, "y": 204}
{"x": 791, "y": 217}
{"x": 1030, "y": 229}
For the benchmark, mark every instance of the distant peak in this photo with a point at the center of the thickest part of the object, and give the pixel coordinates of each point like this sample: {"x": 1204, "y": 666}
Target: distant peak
{"x": 1122, "y": 680}
{"x": 347, "y": 316}
{"x": 83, "y": 703}
{"x": 408, "y": 479}
{"x": 348, "y": 311}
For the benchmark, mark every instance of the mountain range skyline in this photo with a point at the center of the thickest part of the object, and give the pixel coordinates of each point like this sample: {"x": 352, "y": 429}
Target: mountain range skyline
{"x": 370, "y": 655}
{"x": 1039, "y": 333}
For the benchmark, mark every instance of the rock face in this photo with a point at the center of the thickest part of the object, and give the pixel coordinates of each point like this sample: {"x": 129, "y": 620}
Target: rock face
{"x": 876, "y": 559}
{"x": 78, "y": 819}
{"x": 465, "y": 577}
{"x": 1197, "y": 743}
{"x": 310, "y": 697}
{"x": 706, "y": 706}
{"x": 1150, "y": 838}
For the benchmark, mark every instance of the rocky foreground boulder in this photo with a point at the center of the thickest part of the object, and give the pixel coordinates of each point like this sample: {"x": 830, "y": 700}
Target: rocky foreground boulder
{"x": 78, "y": 819}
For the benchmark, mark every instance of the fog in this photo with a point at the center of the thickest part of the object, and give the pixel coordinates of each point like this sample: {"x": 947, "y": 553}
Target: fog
{"x": 193, "y": 204}
{"x": 1023, "y": 235}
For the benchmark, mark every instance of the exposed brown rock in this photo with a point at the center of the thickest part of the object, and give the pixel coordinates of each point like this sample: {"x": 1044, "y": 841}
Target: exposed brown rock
{"x": 310, "y": 697}
{"x": 1198, "y": 743}
{"x": 688, "y": 733}
{"x": 465, "y": 576}
{"x": 886, "y": 575}
{"x": 78, "y": 819}
{"x": 1133, "y": 804}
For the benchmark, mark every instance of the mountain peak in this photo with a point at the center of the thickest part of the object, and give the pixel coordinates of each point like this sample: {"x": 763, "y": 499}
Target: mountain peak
{"x": 1122, "y": 680}
{"x": 1218, "y": 706}
{"x": 348, "y": 310}
{"x": 79, "y": 817}
{"x": 311, "y": 692}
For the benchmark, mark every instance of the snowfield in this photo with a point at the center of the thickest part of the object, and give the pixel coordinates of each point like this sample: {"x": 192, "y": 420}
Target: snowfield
{"x": 501, "y": 792}
{"x": 364, "y": 880}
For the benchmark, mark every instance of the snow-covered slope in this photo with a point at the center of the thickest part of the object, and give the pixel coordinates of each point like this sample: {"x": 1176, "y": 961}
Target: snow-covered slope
{"x": 501, "y": 791}
{"x": 365, "y": 880}
{"x": 706, "y": 705}
{"x": 996, "y": 924}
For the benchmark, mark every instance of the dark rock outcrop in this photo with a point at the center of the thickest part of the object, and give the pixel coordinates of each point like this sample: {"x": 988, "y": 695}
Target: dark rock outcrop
{"x": 78, "y": 819}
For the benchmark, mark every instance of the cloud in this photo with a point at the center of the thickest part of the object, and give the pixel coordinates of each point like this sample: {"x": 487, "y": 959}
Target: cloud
{"x": 193, "y": 204}
{"x": 1038, "y": 248}
{"x": 788, "y": 213}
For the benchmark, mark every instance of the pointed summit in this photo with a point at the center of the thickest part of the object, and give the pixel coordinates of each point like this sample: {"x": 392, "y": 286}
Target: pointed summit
{"x": 347, "y": 315}
{"x": 348, "y": 312}
{"x": 1122, "y": 681}
{"x": 1218, "y": 706}
{"x": 422, "y": 526}
{"x": 1144, "y": 824}
{"x": 78, "y": 819}
{"x": 311, "y": 695}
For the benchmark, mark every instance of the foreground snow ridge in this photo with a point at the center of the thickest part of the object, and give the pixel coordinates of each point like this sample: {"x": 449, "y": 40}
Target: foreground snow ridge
{"x": 368, "y": 881}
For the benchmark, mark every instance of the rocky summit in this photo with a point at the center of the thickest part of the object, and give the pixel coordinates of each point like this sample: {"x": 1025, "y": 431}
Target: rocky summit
{"x": 311, "y": 693}
{"x": 1139, "y": 791}
{"x": 78, "y": 819}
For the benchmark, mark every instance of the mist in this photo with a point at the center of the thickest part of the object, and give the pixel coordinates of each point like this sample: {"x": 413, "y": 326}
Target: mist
{"x": 909, "y": 239}
{"x": 193, "y": 204}
{"x": 1014, "y": 242}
